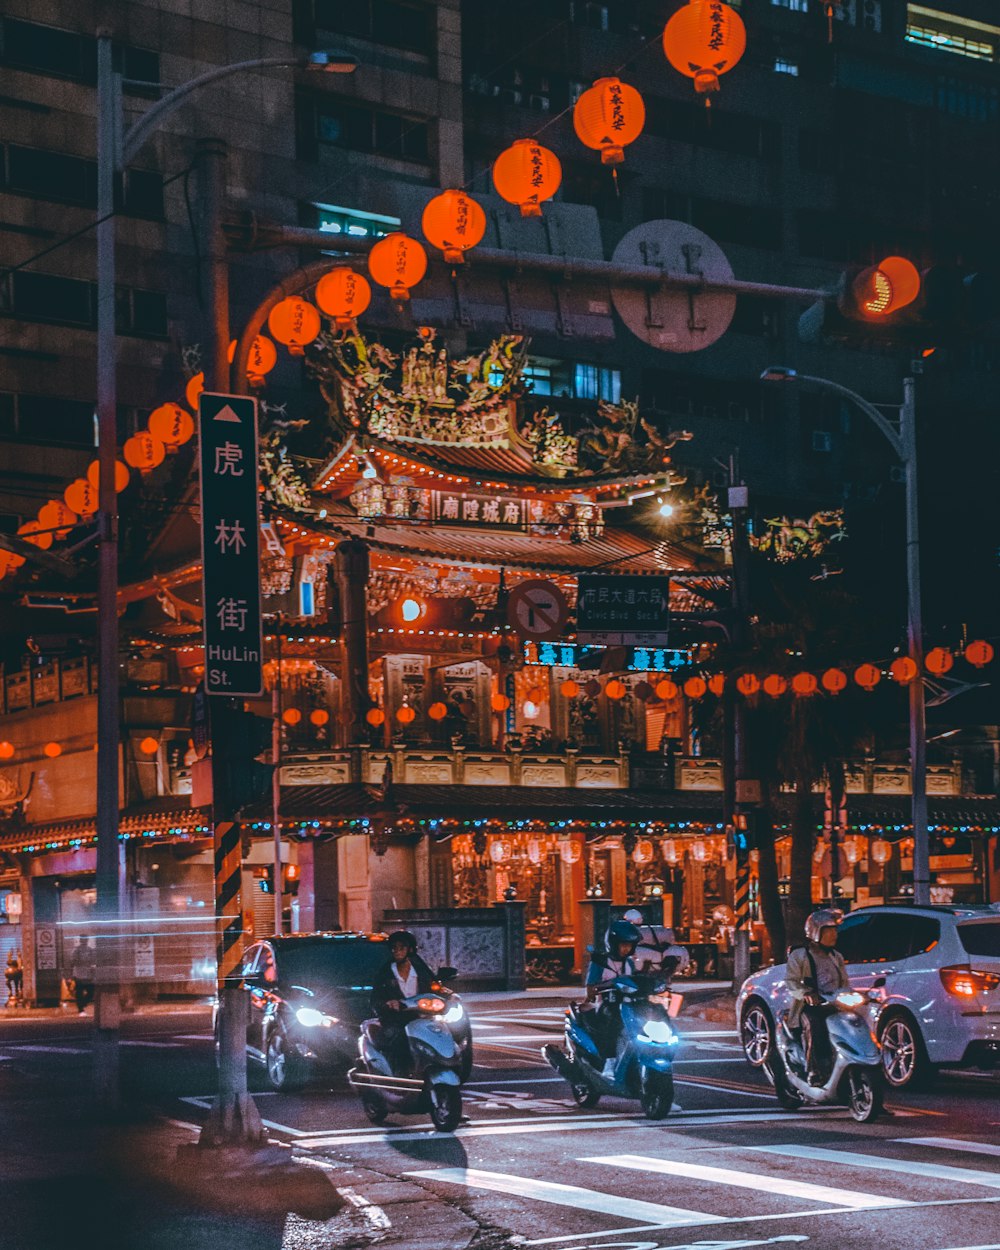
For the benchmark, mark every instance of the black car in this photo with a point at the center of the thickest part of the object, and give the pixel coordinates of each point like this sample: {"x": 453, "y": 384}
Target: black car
{"x": 309, "y": 994}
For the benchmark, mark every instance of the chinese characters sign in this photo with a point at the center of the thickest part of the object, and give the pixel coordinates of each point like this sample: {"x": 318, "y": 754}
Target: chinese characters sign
{"x": 230, "y": 536}
{"x": 623, "y": 611}
{"x": 571, "y": 655}
{"x": 495, "y": 512}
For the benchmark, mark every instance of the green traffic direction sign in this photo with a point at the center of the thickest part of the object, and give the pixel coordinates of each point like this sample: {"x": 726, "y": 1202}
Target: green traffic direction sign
{"x": 230, "y": 545}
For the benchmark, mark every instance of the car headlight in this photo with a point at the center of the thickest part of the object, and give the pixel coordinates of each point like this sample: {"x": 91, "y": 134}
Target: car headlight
{"x": 454, "y": 1013}
{"x": 657, "y": 1031}
{"x": 310, "y": 1018}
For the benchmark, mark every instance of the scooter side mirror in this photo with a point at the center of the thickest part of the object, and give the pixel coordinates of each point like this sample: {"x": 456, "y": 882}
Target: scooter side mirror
{"x": 878, "y": 983}
{"x": 447, "y": 974}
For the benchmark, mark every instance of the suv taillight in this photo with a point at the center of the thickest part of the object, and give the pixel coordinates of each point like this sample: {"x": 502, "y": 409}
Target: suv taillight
{"x": 966, "y": 982}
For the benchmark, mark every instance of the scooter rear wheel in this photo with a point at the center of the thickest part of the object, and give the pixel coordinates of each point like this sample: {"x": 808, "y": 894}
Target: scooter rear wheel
{"x": 446, "y": 1108}
{"x": 657, "y": 1096}
{"x": 865, "y": 1093}
{"x": 787, "y": 1095}
{"x": 584, "y": 1095}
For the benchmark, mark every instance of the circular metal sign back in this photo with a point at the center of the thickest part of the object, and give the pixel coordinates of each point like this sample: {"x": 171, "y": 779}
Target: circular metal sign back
{"x": 674, "y": 319}
{"x": 537, "y": 610}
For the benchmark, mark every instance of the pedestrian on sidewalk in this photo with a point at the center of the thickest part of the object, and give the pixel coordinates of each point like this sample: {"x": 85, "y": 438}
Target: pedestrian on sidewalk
{"x": 84, "y": 970}
{"x": 14, "y": 975}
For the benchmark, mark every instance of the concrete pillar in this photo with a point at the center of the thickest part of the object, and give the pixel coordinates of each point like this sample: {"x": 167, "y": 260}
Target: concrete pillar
{"x": 351, "y": 566}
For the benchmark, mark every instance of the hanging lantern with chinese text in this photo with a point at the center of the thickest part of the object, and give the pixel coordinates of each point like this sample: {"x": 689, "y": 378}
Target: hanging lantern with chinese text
{"x": 702, "y": 40}
{"x": 775, "y": 685}
{"x": 748, "y": 684}
{"x": 437, "y": 711}
{"x": 717, "y": 684}
{"x": 375, "y": 716}
{"x": 695, "y": 687}
{"x": 171, "y": 424}
{"x": 834, "y": 680}
{"x": 526, "y": 174}
{"x": 343, "y": 295}
{"x": 903, "y": 670}
{"x": 94, "y": 474}
{"x": 499, "y": 702}
{"x": 81, "y": 497}
{"x": 615, "y": 689}
{"x": 33, "y": 532}
{"x": 454, "y": 223}
{"x": 667, "y": 690}
{"x": 881, "y": 851}
{"x": 398, "y": 263}
{"x": 55, "y": 516}
{"x": 804, "y": 684}
{"x": 569, "y": 689}
{"x": 979, "y": 653}
{"x": 867, "y": 676}
{"x": 939, "y": 661}
{"x": 406, "y": 715}
{"x": 143, "y": 452}
{"x": 608, "y": 116}
{"x": 295, "y": 323}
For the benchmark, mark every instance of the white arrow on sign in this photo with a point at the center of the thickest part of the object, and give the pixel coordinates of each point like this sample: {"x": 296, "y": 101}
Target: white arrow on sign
{"x": 227, "y": 414}
{"x": 537, "y": 610}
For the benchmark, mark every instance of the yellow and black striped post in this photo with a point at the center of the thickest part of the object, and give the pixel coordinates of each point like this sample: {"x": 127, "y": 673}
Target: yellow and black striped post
{"x": 741, "y": 896}
{"x": 228, "y": 899}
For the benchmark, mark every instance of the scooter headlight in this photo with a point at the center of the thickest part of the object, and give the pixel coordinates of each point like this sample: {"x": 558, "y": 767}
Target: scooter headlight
{"x": 431, "y": 1004}
{"x": 454, "y": 1013}
{"x": 658, "y": 1032}
{"x": 310, "y": 1018}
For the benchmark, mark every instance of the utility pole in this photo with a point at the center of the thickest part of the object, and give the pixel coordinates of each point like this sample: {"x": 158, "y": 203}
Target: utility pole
{"x": 739, "y": 502}
{"x": 107, "y": 1004}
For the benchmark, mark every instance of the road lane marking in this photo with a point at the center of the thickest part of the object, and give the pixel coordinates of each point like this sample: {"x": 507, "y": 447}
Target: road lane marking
{"x": 46, "y": 1050}
{"x": 786, "y": 1186}
{"x": 154, "y": 1045}
{"x": 565, "y": 1196}
{"x": 694, "y": 1245}
{"x": 953, "y": 1143}
{"x": 935, "y": 1171}
{"x": 526, "y": 1080}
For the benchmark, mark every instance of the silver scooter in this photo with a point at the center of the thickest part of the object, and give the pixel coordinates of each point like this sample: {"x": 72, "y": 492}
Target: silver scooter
{"x": 856, "y": 1078}
{"x": 437, "y": 1033}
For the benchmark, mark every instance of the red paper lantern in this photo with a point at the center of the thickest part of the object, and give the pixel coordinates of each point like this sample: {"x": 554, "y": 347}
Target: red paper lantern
{"x": 717, "y": 683}
{"x": 978, "y": 653}
{"x": 834, "y": 680}
{"x": 499, "y": 702}
{"x": 55, "y": 516}
{"x": 667, "y": 690}
{"x": 939, "y": 660}
{"x": 294, "y": 322}
{"x": 375, "y": 716}
{"x": 775, "y": 685}
{"x": 193, "y": 389}
{"x": 6, "y": 750}
{"x": 615, "y": 689}
{"x": 608, "y": 116}
{"x": 29, "y": 531}
{"x": 53, "y": 750}
{"x": 397, "y": 262}
{"x": 291, "y": 715}
{"x": 171, "y": 424}
{"x": 406, "y": 715}
{"x": 144, "y": 452}
{"x": 319, "y": 717}
{"x": 81, "y": 497}
{"x": 805, "y": 684}
{"x": 526, "y": 174}
{"x": 149, "y": 746}
{"x": 437, "y": 711}
{"x": 569, "y": 689}
{"x": 263, "y": 355}
{"x": 702, "y": 40}
{"x": 867, "y": 676}
{"x": 343, "y": 295}
{"x": 453, "y": 222}
{"x": 121, "y": 475}
{"x": 903, "y": 670}
{"x": 748, "y": 684}
{"x": 695, "y": 687}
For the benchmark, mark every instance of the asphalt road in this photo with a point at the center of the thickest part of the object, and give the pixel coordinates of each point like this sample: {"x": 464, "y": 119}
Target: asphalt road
{"x": 728, "y": 1168}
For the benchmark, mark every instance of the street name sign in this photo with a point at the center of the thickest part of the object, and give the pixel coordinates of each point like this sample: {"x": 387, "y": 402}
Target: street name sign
{"x": 230, "y": 545}
{"x": 622, "y": 611}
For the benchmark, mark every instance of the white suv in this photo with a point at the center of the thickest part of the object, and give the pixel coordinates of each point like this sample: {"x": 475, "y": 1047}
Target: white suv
{"x": 936, "y": 971}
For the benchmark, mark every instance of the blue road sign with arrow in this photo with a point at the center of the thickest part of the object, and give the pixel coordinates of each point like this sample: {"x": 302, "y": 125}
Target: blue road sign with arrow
{"x": 230, "y": 545}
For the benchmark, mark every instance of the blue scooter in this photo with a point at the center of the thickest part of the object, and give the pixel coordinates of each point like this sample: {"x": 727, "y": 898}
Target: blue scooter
{"x": 642, "y": 1066}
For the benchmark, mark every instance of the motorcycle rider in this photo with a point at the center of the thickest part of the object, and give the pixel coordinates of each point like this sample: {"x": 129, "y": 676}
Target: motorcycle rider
{"x": 657, "y": 945}
{"x": 617, "y": 959}
{"x": 404, "y": 975}
{"x": 814, "y": 973}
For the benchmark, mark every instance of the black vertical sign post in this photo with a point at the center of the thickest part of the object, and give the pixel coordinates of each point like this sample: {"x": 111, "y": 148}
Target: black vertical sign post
{"x": 234, "y": 648}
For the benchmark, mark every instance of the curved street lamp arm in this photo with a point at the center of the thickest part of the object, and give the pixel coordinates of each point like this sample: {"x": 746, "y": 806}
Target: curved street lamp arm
{"x": 140, "y": 130}
{"x": 868, "y": 409}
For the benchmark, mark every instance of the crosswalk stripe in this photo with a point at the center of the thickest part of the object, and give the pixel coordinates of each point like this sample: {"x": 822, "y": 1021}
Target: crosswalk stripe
{"x": 953, "y": 1143}
{"x": 18, "y": 1047}
{"x": 565, "y": 1196}
{"x": 750, "y": 1180}
{"x": 936, "y": 1171}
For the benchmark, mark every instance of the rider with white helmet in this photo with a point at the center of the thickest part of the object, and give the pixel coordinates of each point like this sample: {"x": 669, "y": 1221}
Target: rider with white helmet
{"x": 814, "y": 973}
{"x": 656, "y": 945}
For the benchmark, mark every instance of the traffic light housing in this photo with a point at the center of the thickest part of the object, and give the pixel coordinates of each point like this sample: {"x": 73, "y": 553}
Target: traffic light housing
{"x": 242, "y": 744}
{"x": 745, "y": 836}
{"x": 265, "y": 879}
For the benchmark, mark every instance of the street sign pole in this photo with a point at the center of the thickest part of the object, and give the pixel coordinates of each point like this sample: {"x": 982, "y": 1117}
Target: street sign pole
{"x": 234, "y": 646}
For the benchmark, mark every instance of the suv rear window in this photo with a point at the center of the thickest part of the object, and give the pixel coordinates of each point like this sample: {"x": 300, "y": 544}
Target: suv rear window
{"x": 981, "y": 937}
{"x": 338, "y": 965}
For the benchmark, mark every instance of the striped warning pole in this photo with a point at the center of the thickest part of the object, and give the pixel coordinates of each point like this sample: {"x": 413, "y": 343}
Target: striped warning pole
{"x": 228, "y": 909}
{"x": 741, "y": 896}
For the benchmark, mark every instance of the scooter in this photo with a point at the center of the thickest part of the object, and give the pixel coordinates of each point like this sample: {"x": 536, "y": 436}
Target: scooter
{"x": 642, "y": 1066}
{"x": 856, "y": 1078}
{"x": 437, "y": 1032}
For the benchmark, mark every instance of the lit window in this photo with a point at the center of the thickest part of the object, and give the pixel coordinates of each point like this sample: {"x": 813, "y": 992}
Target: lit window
{"x": 796, "y": 6}
{"x": 781, "y": 66}
{"x": 334, "y": 220}
{"x": 948, "y": 32}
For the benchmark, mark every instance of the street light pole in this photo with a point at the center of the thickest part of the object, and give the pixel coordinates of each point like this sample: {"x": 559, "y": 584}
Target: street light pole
{"x": 903, "y": 441}
{"x": 116, "y": 148}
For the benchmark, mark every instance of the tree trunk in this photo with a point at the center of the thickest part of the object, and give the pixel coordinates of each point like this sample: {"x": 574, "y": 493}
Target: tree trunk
{"x": 767, "y": 874}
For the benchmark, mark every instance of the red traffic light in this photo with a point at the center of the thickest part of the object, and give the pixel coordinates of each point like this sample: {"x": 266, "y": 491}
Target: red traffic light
{"x": 885, "y": 288}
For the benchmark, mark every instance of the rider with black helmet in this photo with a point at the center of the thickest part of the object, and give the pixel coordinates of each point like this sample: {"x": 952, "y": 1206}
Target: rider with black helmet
{"x": 404, "y": 975}
{"x": 616, "y": 960}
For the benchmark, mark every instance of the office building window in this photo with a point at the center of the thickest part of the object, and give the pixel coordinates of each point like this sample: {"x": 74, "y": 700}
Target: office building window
{"x": 67, "y": 54}
{"x": 49, "y": 419}
{"x": 73, "y": 302}
{"x": 406, "y": 24}
{"x": 73, "y": 180}
{"x": 796, "y": 6}
{"x": 950, "y": 32}
{"x": 332, "y": 219}
{"x": 371, "y": 130}
{"x": 781, "y": 66}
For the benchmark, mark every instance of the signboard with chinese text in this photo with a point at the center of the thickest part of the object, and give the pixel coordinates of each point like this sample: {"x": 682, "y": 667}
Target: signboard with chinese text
{"x": 495, "y": 512}
{"x": 623, "y": 611}
{"x": 230, "y": 539}
{"x": 572, "y": 655}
